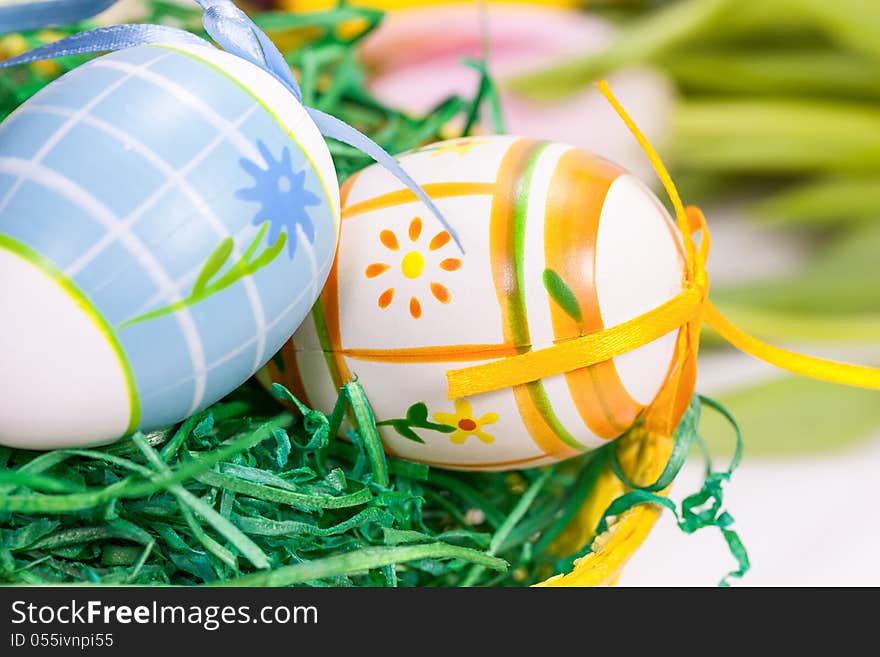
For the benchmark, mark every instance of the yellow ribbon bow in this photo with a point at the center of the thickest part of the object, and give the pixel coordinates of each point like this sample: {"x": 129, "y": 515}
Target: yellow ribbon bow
{"x": 686, "y": 311}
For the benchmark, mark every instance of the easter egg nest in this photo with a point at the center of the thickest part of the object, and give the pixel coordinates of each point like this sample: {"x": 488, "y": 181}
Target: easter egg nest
{"x": 248, "y": 493}
{"x": 243, "y": 494}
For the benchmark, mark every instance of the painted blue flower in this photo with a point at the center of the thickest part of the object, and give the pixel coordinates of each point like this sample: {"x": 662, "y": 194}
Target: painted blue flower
{"x": 281, "y": 192}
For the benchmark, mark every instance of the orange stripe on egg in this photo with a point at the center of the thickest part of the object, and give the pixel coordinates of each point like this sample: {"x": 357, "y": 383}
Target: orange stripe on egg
{"x": 507, "y": 217}
{"x": 345, "y": 191}
{"x": 325, "y": 312}
{"x": 526, "y": 462}
{"x": 455, "y": 353}
{"x": 577, "y": 194}
{"x": 291, "y": 376}
{"x": 402, "y": 196}
{"x": 667, "y": 409}
{"x": 326, "y": 317}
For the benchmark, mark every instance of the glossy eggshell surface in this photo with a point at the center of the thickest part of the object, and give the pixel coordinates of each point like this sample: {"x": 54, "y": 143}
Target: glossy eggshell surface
{"x": 558, "y": 243}
{"x": 168, "y": 216}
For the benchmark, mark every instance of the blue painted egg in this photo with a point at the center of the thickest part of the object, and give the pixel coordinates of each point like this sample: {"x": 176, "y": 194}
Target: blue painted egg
{"x": 168, "y": 216}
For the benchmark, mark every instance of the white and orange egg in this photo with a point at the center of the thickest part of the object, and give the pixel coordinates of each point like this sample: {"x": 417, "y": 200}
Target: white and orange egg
{"x": 558, "y": 243}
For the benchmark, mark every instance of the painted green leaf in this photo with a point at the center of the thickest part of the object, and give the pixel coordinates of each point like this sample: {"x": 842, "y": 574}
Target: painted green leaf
{"x": 416, "y": 417}
{"x": 442, "y": 428}
{"x": 251, "y": 250}
{"x": 795, "y": 415}
{"x": 417, "y": 413}
{"x": 403, "y": 429}
{"x": 267, "y": 256}
{"x": 204, "y": 288}
{"x": 212, "y": 265}
{"x": 562, "y": 294}
{"x": 247, "y": 264}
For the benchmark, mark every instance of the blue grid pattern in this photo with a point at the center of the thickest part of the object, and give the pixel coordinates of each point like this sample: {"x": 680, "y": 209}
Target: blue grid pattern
{"x": 133, "y": 163}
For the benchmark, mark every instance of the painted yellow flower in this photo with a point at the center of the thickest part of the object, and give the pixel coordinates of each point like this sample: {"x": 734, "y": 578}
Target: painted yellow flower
{"x": 466, "y": 424}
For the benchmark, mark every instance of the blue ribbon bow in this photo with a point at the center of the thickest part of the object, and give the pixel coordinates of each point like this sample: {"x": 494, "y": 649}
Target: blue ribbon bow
{"x": 229, "y": 27}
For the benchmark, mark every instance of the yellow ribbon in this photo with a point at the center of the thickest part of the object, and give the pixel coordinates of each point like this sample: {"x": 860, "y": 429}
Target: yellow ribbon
{"x": 687, "y": 311}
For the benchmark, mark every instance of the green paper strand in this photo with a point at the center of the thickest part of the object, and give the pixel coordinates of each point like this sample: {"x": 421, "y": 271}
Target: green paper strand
{"x": 701, "y": 509}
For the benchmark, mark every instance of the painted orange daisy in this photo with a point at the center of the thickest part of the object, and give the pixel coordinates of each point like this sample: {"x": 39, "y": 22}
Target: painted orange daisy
{"x": 412, "y": 264}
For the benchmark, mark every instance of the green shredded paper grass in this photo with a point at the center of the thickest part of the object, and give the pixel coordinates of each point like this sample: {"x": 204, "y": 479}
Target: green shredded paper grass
{"x": 247, "y": 493}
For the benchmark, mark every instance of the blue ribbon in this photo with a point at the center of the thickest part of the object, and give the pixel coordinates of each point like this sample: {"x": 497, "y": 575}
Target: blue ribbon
{"x": 236, "y": 33}
{"x": 33, "y": 15}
